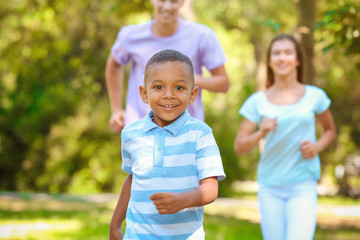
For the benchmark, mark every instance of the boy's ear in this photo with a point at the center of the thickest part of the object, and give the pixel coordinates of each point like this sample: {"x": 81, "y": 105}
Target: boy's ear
{"x": 194, "y": 93}
{"x": 143, "y": 94}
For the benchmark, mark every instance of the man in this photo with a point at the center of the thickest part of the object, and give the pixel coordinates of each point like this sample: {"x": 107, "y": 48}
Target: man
{"x": 137, "y": 43}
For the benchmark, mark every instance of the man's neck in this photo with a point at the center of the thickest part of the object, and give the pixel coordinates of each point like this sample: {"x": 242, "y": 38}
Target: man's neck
{"x": 164, "y": 30}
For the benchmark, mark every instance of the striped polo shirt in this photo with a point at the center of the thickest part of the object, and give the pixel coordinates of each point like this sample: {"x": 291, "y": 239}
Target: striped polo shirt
{"x": 169, "y": 159}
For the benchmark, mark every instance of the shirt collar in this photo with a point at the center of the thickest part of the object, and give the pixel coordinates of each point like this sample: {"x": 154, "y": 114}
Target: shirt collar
{"x": 174, "y": 127}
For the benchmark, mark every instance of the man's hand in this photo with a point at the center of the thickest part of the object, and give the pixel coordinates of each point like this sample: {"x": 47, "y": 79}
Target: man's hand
{"x": 117, "y": 121}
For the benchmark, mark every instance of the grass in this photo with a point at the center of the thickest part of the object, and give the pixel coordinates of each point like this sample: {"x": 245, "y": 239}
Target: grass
{"x": 64, "y": 217}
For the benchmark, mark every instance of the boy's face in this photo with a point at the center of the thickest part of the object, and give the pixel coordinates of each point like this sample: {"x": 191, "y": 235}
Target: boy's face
{"x": 167, "y": 11}
{"x": 169, "y": 90}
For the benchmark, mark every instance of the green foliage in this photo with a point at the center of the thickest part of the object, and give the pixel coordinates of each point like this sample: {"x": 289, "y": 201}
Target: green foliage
{"x": 53, "y": 104}
{"x": 340, "y": 27}
{"x": 53, "y": 101}
{"x": 258, "y": 20}
{"x": 337, "y": 41}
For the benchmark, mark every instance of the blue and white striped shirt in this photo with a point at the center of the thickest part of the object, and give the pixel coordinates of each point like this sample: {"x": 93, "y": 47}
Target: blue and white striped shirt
{"x": 170, "y": 159}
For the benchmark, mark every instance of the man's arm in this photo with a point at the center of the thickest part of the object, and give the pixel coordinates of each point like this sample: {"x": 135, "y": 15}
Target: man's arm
{"x": 168, "y": 203}
{"x": 114, "y": 74}
{"x": 217, "y": 82}
{"x": 119, "y": 214}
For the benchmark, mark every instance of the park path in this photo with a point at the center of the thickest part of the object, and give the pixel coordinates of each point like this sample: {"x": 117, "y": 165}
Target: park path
{"x": 329, "y": 215}
{"x": 242, "y": 209}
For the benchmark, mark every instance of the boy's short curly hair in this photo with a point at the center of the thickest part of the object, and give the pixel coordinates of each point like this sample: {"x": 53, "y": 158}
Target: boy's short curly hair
{"x": 170, "y": 56}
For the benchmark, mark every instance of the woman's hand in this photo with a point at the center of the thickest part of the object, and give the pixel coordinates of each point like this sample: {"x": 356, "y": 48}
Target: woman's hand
{"x": 267, "y": 125}
{"x": 309, "y": 150}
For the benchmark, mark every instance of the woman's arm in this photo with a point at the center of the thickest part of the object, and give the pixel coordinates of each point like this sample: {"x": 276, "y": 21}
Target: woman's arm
{"x": 247, "y": 137}
{"x": 168, "y": 203}
{"x": 308, "y": 149}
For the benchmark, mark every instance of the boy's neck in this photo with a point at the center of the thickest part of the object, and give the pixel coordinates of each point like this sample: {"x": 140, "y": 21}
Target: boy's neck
{"x": 164, "y": 30}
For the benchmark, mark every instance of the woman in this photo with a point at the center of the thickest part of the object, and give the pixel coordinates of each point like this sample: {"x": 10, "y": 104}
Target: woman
{"x": 284, "y": 116}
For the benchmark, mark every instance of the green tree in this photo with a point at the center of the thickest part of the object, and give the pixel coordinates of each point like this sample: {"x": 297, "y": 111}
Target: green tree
{"x": 52, "y": 71}
{"x": 338, "y": 44}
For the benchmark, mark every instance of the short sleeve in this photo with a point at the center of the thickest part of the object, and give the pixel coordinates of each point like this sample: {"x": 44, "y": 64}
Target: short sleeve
{"x": 208, "y": 159}
{"x": 126, "y": 165}
{"x": 212, "y": 53}
{"x": 249, "y": 109}
{"x": 323, "y": 102}
{"x": 119, "y": 49}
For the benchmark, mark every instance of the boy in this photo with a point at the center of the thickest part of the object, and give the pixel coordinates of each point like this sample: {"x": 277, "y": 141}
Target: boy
{"x": 172, "y": 159}
{"x": 137, "y": 43}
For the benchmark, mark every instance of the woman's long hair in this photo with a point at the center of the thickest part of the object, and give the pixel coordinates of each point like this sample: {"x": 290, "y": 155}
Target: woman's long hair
{"x": 299, "y": 54}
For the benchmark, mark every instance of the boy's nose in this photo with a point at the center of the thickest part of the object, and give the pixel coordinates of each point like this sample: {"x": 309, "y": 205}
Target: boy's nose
{"x": 169, "y": 92}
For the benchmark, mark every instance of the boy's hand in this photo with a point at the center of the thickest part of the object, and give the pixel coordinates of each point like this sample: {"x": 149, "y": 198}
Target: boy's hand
{"x": 308, "y": 150}
{"x": 115, "y": 234}
{"x": 168, "y": 203}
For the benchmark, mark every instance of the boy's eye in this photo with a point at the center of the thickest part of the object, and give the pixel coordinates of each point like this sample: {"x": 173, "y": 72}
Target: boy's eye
{"x": 159, "y": 87}
{"x": 179, "y": 88}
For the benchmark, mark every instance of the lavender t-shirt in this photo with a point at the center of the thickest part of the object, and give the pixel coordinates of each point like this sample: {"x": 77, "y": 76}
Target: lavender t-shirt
{"x": 137, "y": 43}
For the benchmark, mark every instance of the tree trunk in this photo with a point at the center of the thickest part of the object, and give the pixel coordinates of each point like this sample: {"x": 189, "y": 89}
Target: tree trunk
{"x": 306, "y": 23}
{"x": 259, "y": 52}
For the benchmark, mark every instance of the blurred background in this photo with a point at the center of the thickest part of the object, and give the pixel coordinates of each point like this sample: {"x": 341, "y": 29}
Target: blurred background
{"x": 54, "y": 107}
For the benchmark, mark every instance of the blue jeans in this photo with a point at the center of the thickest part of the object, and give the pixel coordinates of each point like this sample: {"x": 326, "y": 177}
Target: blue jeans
{"x": 288, "y": 212}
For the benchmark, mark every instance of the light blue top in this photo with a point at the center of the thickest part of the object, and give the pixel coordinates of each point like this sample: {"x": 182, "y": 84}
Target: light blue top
{"x": 170, "y": 159}
{"x": 137, "y": 44}
{"x": 281, "y": 162}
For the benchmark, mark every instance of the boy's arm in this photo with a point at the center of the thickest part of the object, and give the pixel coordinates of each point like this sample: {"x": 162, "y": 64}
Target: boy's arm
{"x": 217, "y": 82}
{"x": 168, "y": 203}
{"x": 119, "y": 214}
{"x": 114, "y": 74}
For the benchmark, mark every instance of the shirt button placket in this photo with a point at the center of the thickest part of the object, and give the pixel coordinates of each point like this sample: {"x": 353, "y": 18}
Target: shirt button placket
{"x": 158, "y": 150}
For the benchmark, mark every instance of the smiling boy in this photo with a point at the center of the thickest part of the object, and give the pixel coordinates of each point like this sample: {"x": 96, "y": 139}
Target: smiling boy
{"x": 172, "y": 159}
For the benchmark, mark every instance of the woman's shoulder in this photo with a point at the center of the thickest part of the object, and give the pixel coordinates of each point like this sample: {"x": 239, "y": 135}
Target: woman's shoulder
{"x": 257, "y": 96}
{"x": 314, "y": 90}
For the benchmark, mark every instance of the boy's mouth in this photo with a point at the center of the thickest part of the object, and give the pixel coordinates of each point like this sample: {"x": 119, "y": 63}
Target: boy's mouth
{"x": 169, "y": 105}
